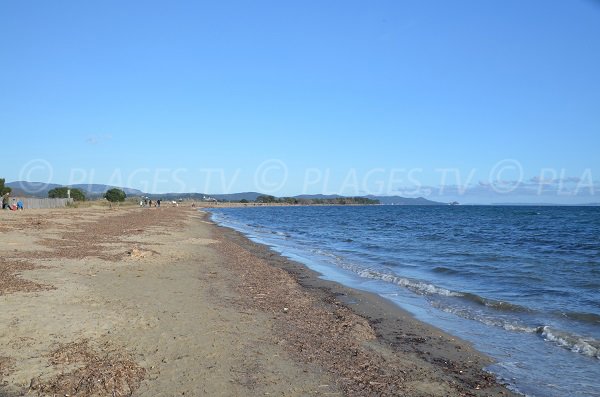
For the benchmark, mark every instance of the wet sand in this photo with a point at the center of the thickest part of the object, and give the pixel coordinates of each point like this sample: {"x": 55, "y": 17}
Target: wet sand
{"x": 161, "y": 302}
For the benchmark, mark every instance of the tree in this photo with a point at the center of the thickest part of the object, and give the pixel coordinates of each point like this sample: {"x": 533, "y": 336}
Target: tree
{"x": 115, "y": 195}
{"x": 61, "y": 192}
{"x": 266, "y": 199}
{"x": 4, "y": 189}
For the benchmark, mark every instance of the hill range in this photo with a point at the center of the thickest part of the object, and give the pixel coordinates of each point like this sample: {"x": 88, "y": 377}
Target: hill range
{"x": 40, "y": 189}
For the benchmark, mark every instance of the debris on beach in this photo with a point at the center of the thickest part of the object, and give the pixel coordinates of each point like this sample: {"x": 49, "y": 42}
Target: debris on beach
{"x": 11, "y": 280}
{"x": 98, "y": 238}
{"x": 7, "y": 365}
{"x": 98, "y": 372}
{"x": 201, "y": 241}
{"x": 138, "y": 253}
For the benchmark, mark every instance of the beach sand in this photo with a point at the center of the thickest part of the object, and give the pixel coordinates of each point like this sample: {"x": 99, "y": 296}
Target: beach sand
{"x": 161, "y": 302}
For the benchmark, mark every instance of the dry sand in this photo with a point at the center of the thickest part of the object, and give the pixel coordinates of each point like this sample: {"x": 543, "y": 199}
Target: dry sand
{"x": 161, "y": 302}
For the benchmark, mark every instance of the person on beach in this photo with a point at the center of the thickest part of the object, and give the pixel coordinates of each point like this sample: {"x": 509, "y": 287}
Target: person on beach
{"x": 5, "y": 200}
{"x": 20, "y": 205}
{"x": 158, "y": 203}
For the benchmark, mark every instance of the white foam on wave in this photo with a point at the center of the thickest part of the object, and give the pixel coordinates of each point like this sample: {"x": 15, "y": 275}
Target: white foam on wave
{"x": 518, "y": 328}
{"x": 418, "y": 287}
{"x": 576, "y": 343}
{"x": 488, "y": 320}
{"x": 589, "y": 347}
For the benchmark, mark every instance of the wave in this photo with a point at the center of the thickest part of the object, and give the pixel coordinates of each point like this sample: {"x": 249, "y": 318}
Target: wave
{"x": 586, "y": 346}
{"x": 487, "y": 319}
{"x": 445, "y": 270}
{"x": 576, "y": 343}
{"x": 419, "y": 287}
{"x": 424, "y": 288}
{"x": 589, "y": 318}
{"x": 501, "y": 306}
{"x": 281, "y": 234}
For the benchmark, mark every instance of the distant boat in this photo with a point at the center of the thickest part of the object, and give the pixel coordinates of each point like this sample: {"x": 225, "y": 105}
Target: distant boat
{"x": 453, "y": 203}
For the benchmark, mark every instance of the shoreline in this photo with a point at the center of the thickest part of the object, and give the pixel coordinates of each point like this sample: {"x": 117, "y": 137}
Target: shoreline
{"x": 161, "y": 301}
{"x": 394, "y": 326}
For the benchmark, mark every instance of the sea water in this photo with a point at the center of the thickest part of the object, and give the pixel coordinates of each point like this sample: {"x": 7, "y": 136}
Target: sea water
{"x": 520, "y": 283}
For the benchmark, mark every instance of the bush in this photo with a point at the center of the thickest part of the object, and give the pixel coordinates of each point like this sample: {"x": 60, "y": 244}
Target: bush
{"x": 61, "y": 192}
{"x": 115, "y": 195}
{"x": 4, "y": 189}
{"x": 266, "y": 199}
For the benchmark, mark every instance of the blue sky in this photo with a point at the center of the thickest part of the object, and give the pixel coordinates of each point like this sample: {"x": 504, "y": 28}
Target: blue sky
{"x": 482, "y": 101}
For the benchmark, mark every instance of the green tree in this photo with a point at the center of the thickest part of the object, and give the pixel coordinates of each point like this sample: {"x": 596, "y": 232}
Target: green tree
{"x": 61, "y": 192}
{"x": 266, "y": 199}
{"x": 115, "y": 195}
{"x": 4, "y": 189}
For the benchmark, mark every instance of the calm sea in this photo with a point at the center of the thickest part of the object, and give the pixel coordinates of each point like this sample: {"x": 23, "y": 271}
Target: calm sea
{"x": 521, "y": 283}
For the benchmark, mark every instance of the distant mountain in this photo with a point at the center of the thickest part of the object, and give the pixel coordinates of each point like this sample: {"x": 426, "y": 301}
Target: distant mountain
{"x": 398, "y": 200}
{"x": 318, "y": 196}
{"x": 250, "y": 196}
{"x": 386, "y": 200}
{"x": 98, "y": 189}
{"x": 40, "y": 189}
{"x": 176, "y": 196}
{"x": 35, "y": 189}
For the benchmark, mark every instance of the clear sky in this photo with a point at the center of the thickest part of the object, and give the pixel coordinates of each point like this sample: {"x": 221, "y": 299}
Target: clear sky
{"x": 483, "y": 101}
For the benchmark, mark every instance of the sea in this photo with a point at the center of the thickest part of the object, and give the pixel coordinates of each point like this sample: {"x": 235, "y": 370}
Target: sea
{"x": 521, "y": 283}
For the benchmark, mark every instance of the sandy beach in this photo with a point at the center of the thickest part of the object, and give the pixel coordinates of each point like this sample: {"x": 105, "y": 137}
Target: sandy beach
{"x": 162, "y": 302}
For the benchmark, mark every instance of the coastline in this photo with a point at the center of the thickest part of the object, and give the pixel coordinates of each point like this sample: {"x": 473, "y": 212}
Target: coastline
{"x": 164, "y": 302}
{"x": 449, "y": 358}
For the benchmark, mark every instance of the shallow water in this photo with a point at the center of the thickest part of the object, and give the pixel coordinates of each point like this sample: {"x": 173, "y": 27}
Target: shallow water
{"x": 521, "y": 283}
